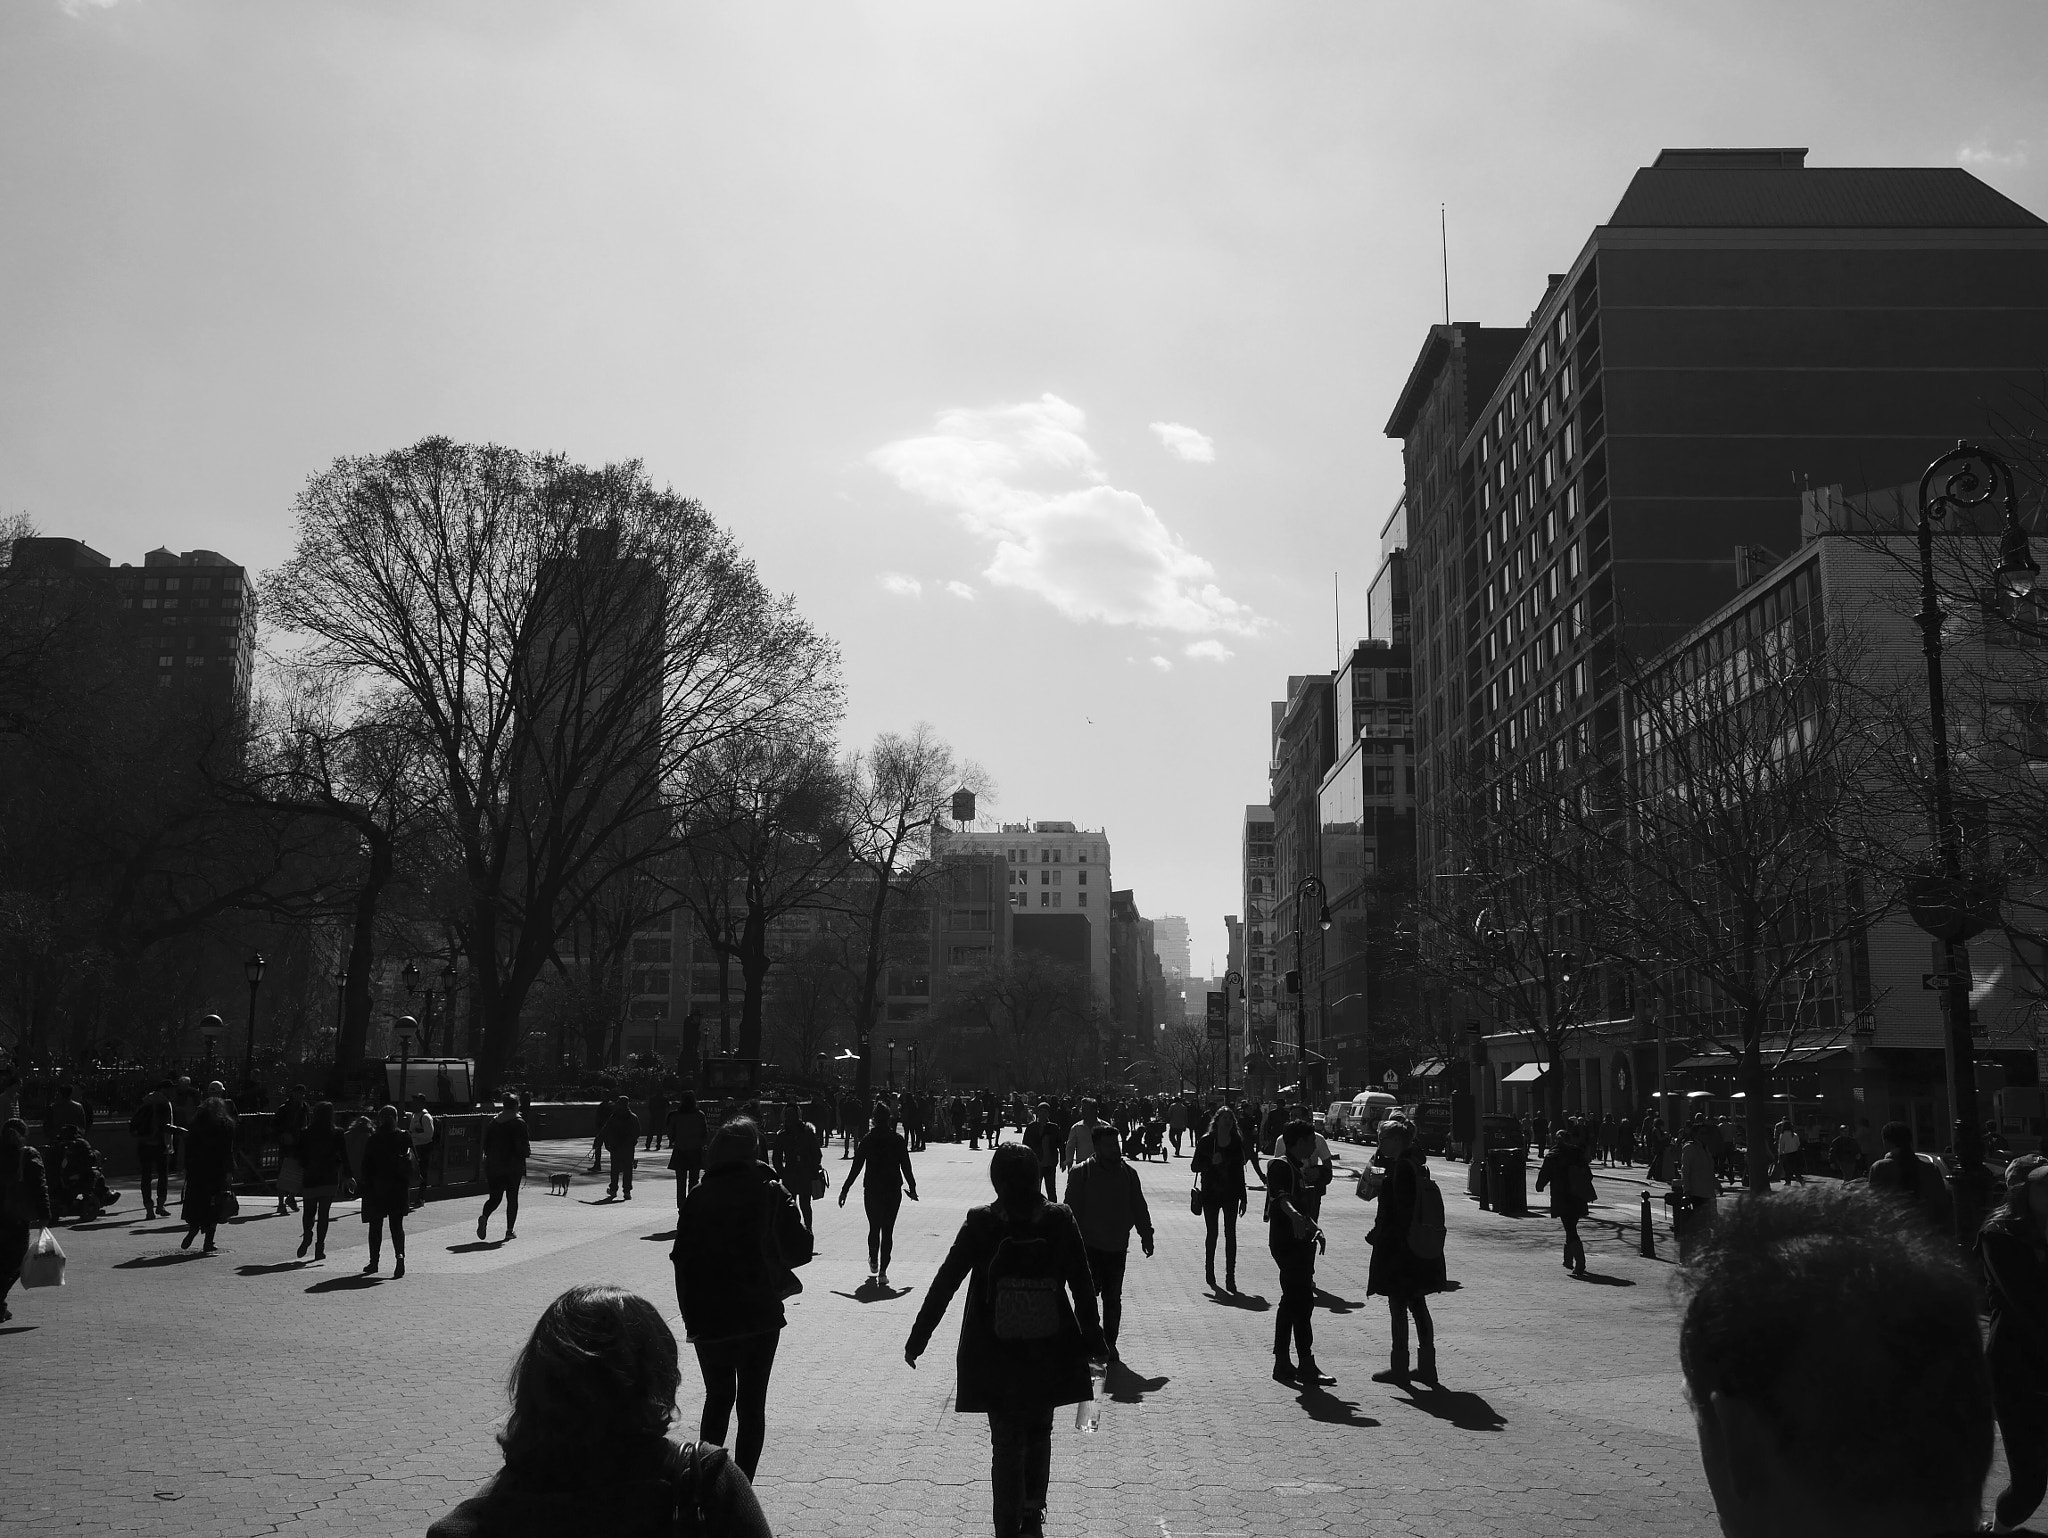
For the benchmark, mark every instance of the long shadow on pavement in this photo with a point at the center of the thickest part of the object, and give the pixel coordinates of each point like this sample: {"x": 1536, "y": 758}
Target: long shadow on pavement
{"x": 345, "y": 1284}
{"x": 1335, "y": 1304}
{"x": 474, "y": 1245}
{"x": 658, "y": 1238}
{"x": 169, "y": 1258}
{"x": 93, "y": 1228}
{"x": 1250, "y": 1301}
{"x": 869, "y": 1292}
{"x": 1466, "y": 1411}
{"x": 175, "y": 1228}
{"x": 17, "y": 1329}
{"x": 1128, "y": 1387}
{"x": 1322, "y": 1405}
{"x": 282, "y": 1265}
{"x": 1606, "y": 1281}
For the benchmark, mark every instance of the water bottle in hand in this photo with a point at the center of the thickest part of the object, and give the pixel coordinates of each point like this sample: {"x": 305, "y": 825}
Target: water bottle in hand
{"x": 1088, "y": 1413}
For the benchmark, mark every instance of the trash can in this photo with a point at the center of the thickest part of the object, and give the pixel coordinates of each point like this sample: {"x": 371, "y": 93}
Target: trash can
{"x": 1507, "y": 1182}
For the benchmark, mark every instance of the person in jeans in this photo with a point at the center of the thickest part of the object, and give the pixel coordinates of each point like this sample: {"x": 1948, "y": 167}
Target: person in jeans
{"x": 620, "y": 1135}
{"x": 1043, "y": 1138}
{"x": 885, "y": 1161}
{"x": 586, "y": 1447}
{"x": 2012, "y": 1252}
{"x": 1567, "y": 1172}
{"x": 387, "y": 1187}
{"x": 1404, "y": 1278}
{"x": 151, "y": 1125}
{"x": 419, "y": 1129}
{"x": 1018, "y": 1381}
{"x": 799, "y": 1160}
{"x": 1293, "y": 1238}
{"x": 737, "y": 1239}
{"x": 506, "y": 1150}
{"x": 321, "y": 1157}
{"x": 1217, "y": 1163}
{"x": 1108, "y": 1201}
{"x": 688, "y": 1132}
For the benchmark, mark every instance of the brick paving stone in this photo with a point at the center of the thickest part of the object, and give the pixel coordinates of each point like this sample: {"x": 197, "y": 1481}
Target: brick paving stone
{"x": 165, "y": 1394}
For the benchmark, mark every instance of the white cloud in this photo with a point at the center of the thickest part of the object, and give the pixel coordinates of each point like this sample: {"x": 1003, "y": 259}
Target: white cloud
{"x": 82, "y": 7}
{"x": 960, "y": 590}
{"x": 1186, "y": 443}
{"x": 1978, "y": 152}
{"x": 1024, "y": 479}
{"x": 903, "y": 587}
{"x": 1208, "y": 651}
{"x": 1162, "y": 664}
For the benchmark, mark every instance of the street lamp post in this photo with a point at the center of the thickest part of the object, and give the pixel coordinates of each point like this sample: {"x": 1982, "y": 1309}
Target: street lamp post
{"x": 1233, "y": 976}
{"x": 403, "y": 1028}
{"x": 1307, "y": 884}
{"x": 1969, "y": 477}
{"x": 892, "y": 1067}
{"x": 910, "y": 1073}
{"x": 340, "y": 1004}
{"x": 253, "y": 970}
{"x": 210, "y": 1028}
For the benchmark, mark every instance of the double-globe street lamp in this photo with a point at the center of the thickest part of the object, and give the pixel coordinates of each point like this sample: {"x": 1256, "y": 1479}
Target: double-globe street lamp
{"x": 1233, "y": 976}
{"x": 253, "y": 970}
{"x": 1944, "y": 903}
{"x": 1307, "y": 884}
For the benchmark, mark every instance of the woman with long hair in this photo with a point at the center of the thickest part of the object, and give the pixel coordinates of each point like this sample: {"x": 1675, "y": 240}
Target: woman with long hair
{"x": 586, "y": 1447}
{"x": 737, "y": 1238}
{"x": 320, "y": 1157}
{"x": 885, "y": 1158}
{"x": 24, "y": 1203}
{"x": 1218, "y": 1162}
{"x": 1024, "y": 1348}
{"x": 387, "y": 1189}
{"x": 209, "y": 1159}
{"x": 2013, "y": 1252}
{"x": 1396, "y": 1273}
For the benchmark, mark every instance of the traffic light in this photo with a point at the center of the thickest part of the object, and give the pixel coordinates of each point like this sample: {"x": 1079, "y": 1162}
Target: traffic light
{"x": 1293, "y": 981}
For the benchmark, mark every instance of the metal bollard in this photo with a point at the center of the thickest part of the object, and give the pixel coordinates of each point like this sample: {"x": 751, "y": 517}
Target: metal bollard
{"x": 1485, "y": 1199}
{"x": 1649, "y": 1247}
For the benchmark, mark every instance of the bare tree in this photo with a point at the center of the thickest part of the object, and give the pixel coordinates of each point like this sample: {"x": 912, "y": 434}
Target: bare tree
{"x": 568, "y": 640}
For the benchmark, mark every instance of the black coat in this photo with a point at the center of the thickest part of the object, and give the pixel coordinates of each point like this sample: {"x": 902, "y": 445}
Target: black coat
{"x": 387, "y": 1171}
{"x": 738, "y": 1237}
{"x": 639, "y": 1504}
{"x": 1559, "y": 1173}
{"x": 209, "y": 1158}
{"x": 1015, "y": 1375}
{"x": 24, "y": 1191}
{"x": 1221, "y": 1174}
{"x": 320, "y": 1154}
{"x": 1396, "y": 1270}
{"x": 2016, "y": 1285}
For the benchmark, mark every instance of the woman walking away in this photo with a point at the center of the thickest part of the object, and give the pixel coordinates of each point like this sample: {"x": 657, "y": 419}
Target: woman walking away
{"x": 2013, "y": 1251}
{"x": 1399, "y": 1272}
{"x": 320, "y": 1155}
{"x": 586, "y": 1448}
{"x": 209, "y": 1156}
{"x": 886, "y": 1161}
{"x": 1024, "y": 1349}
{"x": 506, "y": 1150}
{"x": 387, "y": 1189}
{"x": 24, "y": 1204}
{"x": 1218, "y": 1164}
{"x": 687, "y": 1135}
{"x": 1568, "y": 1173}
{"x": 737, "y": 1238}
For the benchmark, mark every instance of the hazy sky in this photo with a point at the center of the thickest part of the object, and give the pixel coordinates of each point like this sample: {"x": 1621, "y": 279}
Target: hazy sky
{"x": 1042, "y": 350}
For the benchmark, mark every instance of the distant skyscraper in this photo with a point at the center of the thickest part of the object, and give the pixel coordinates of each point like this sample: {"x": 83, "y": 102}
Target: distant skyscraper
{"x": 1172, "y": 932}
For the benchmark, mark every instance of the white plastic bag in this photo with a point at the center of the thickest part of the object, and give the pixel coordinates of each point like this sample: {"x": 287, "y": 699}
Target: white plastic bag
{"x": 43, "y": 1265}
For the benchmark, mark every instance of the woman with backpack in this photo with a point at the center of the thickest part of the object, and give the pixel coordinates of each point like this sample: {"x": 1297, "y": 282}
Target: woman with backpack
{"x": 885, "y": 1159}
{"x": 1024, "y": 1347}
{"x": 1217, "y": 1163}
{"x": 587, "y": 1448}
{"x": 737, "y": 1239}
{"x": 1568, "y": 1173}
{"x": 1402, "y": 1270}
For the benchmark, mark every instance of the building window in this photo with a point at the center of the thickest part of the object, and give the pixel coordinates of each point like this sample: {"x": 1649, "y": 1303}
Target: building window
{"x": 1082, "y": 879}
{"x": 1045, "y": 878}
{"x": 164, "y": 662}
{"x": 1045, "y": 899}
{"x": 1045, "y": 857}
{"x": 1055, "y": 899}
{"x": 1084, "y": 899}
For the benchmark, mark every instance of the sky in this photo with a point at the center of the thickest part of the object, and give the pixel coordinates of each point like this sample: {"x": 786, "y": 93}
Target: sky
{"x": 1043, "y": 351}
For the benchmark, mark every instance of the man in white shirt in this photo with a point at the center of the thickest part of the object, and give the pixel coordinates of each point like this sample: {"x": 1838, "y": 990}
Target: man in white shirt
{"x": 419, "y": 1127}
{"x": 1317, "y": 1173}
{"x": 1081, "y": 1140}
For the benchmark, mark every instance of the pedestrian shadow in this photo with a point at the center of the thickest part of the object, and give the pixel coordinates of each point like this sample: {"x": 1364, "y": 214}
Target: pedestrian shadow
{"x": 255, "y": 1217}
{"x": 602, "y": 1201}
{"x": 93, "y": 1228}
{"x": 872, "y": 1292}
{"x": 272, "y": 1270}
{"x": 657, "y": 1238}
{"x": 345, "y": 1283}
{"x": 1337, "y": 1305}
{"x": 474, "y": 1245}
{"x": 1324, "y": 1406}
{"x": 1466, "y": 1411}
{"x": 17, "y": 1329}
{"x": 1251, "y": 1302}
{"x": 175, "y": 1228}
{"x": 1605, "y": 1281}
{"x": 1128, "y": 1387}
{"x": 167, "y": 1258}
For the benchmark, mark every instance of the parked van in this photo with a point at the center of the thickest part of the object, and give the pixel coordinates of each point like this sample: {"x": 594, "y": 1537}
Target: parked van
{"x": 1362, "y": 1115}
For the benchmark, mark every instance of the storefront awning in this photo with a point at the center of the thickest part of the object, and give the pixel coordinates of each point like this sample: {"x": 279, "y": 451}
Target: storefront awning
{"x": 1428, "y": 1068}
{"x": 1799, "y": 1057}
{"x": 1528, "y": 1073}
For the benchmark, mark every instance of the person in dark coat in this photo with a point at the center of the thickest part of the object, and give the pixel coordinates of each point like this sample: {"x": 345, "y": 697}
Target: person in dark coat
{"x": 800, "y": 1160}
{"x": 320, "y": 1153}
{"x": 738, "y": 1238}
{"x": 884, "y": 1158}
{"x": 24, "y": 1204}
{"x": 1017, "y": 1383}
{"x": 1404, "y": 1278}
{"x": 2013, "y": 1253}
{"x": 387, "y": 1189}
{"x": 1568, "y": 1173}
{"x": 620, "y": 1135}
{"x": 506, "y": 1150}
{"x": 1217, "y": 1163}
{"x": 688, "y": 1132}
{"x": 209, "y": 1158}
{"x": 1294, "y": 1240}
{"x": 586, "y": 1447}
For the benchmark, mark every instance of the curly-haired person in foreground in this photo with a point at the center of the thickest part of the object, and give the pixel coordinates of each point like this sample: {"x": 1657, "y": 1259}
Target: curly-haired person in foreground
{"x": 587, "y": 1448}
{"x": 1836, "y": 1374}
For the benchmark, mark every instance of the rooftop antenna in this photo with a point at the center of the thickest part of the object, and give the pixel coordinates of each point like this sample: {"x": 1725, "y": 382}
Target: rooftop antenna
{"x": 1337, "y": 615}
{"x": 1443, "y": 230}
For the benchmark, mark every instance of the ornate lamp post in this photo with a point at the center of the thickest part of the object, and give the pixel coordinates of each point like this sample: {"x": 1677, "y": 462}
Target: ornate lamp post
{"x": 340, "y": 1004}
{"x": 1302, "y": 888}
{"x": 1232, "y": 976}
{"x": 1943, "y": 904}
{"x": 403, "y": 1028}
{"x": 210, "y": 1028}
{"x": 253, "y": 970}
{"x": 892, "y": 1067}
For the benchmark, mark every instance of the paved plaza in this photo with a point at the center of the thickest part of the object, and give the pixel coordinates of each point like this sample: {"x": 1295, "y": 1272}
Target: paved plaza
{"x": 163, "y": 1393}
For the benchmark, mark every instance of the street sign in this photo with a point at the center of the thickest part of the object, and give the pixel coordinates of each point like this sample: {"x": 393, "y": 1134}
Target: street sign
{"x": 1390, "y": 1078}
{"x": 1219, "y": 1016}
{"x": 1934, "y": 982}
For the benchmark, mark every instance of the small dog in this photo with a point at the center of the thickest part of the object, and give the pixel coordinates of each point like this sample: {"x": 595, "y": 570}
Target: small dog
{"x": 558, "y": 1183}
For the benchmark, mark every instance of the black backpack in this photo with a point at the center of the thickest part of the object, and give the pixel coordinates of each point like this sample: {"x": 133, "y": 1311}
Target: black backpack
{"x": 1024, "y": 1286}
{"x": 691, "y": 1468}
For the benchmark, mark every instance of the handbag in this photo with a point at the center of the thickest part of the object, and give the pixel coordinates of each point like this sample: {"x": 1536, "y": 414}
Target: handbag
{"x": 1195, "y": 1198}
{"x": 1369, "y": 1182}
{"x": 43, "y": 1265}
{"x": 819, "y": 1185}
{"x": 225, "y": 1207}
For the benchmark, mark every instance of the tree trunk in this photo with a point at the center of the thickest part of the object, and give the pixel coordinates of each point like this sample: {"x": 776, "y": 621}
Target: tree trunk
{"x": 754, "y": 964}
{"x": 864, "y": 1006}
